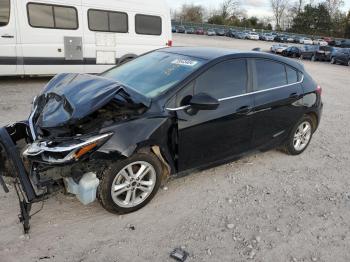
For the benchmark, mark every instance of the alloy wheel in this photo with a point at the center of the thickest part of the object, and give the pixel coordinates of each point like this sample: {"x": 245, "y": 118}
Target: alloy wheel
{"x": 133, "y": 184}
{"x": 302, "y": 136}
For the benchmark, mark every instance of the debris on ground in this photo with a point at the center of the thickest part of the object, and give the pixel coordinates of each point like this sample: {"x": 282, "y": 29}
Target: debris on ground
{"x": 179, "y": 254}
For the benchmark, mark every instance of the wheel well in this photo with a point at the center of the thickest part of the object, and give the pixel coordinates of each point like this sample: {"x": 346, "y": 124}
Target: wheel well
{"x": 314, "y": 119}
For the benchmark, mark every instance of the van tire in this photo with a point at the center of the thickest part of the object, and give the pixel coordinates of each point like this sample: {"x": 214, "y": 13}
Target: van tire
{"x": 108, "y": 179}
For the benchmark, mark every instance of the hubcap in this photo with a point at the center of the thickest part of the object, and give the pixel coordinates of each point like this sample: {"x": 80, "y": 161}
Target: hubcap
{"x": 133, "y": 184}
{"x": 302, "y": 136}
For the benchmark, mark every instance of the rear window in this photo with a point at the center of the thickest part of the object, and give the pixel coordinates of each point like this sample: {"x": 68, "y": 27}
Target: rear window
{"x": 154, "y": 73}
{"x": 148, "y": 25}
{"x": 292, "y": 75}
{"x": 4, "y": 12}
{"x": 270, "y": 74}
{"x": 107, "y": 21}
{"x": 52, "y": 16}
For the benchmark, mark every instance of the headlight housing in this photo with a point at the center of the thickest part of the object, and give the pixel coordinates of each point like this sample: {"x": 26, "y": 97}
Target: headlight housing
{"x": 59, "y": 152}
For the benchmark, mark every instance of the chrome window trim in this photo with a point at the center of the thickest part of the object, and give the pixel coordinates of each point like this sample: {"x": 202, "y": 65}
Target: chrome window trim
{"x": 237, "y": 96}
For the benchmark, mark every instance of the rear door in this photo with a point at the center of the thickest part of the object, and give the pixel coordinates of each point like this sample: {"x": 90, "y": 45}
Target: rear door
{"x": 8, "y": 38}
{"x": 277, "y": 94}
{"x": 210, "y": 136}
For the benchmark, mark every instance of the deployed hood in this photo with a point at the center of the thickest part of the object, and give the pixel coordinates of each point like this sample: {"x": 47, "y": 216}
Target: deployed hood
{"x": 68, "y": 98}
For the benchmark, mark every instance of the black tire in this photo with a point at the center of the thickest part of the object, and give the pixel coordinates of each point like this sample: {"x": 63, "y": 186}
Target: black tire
{"x": 104, "y": 190}
{"x": 289, "y": 147}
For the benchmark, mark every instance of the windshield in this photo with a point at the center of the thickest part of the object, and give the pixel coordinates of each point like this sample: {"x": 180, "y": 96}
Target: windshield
{"x": 154, "y": 73}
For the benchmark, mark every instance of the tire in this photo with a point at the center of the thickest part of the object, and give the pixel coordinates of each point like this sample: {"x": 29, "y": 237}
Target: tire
{"x": 313, "y": 58}
{"x": 349, "y": 62}
{"x": 332, "y": 61}
{"x": 291, "y": 147}
{"x": 118, "y": 174}
{"x": 301, "y": 57}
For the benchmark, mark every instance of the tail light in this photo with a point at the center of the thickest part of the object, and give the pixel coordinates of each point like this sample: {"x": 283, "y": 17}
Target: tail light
{"x": 170, "y": 43}
{"x": 319, "y": 90}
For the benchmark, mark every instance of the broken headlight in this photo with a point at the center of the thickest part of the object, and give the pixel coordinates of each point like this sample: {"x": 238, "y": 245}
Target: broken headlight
{"x": 58, "y": 152}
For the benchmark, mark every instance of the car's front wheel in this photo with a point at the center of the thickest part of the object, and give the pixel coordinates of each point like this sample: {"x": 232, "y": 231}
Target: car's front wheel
{"x": 131, "y": 183}
{"x": 300, "y": 136}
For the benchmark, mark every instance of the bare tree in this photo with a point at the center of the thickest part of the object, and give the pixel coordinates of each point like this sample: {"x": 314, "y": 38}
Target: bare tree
{"x": 228, "y": 8}
{"x": 333, "y": 7}
{"x": 278, "y": 9}
{"x": 192, "y": 13}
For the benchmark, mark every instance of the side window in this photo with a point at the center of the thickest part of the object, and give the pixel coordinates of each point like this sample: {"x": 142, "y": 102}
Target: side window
{"x": 269, "y": 74}
{"x": 108, "y": 21}
{"x": 223, "y": 80}
{"x": 4, "y": 12}
{"x": 52, "y": 16}
{"x": 148, "y": 25}
{"x": 292, "y": 75}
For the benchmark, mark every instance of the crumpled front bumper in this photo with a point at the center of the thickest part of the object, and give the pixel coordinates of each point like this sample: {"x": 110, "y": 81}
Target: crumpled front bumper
{"x": 8, "y": 138}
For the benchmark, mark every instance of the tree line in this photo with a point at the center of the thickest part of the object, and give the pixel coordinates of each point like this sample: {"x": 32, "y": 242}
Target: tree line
{"x": 324, "y": 18}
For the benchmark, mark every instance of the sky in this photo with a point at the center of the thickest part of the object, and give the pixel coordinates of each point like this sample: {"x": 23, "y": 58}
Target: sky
{"x": 259, "y": 8}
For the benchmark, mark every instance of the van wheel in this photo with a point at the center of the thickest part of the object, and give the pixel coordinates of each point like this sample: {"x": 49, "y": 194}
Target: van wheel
{"x": 130, "y": 184}
{"x": 300, "y": 136}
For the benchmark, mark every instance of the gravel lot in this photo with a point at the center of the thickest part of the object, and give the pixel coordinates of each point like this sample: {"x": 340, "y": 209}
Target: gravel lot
{"x": 265, "y": 207}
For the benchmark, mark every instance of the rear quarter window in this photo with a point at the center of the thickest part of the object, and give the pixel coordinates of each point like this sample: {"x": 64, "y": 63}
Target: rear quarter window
{"x": 148, "y": 24}
{"x": 4, "y": 12}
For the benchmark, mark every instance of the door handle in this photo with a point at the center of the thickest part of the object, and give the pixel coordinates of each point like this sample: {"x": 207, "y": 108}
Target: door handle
{"x": 293, "y": 96}
{"x": 7, "y": 36}
{"x": 244, "y": 110}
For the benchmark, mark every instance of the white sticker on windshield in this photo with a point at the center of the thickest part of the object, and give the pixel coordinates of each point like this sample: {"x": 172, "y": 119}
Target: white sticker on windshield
{"x": 184, "y": 62}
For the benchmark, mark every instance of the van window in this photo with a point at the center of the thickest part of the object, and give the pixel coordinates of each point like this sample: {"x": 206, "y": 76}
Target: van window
{"x": 107, "y": 21}
{"x": 223, "y": 80}
{"x": 269, "y": 74}
{"x": 4, "y": 12}
{"x": 52, "y": 16}
{"x": 148, "y": 25}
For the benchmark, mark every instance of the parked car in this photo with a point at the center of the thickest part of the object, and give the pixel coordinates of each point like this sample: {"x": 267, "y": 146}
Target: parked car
{"x": 190, "y": 31}
{"x": 211, "y": 32}
{"x": 345, "y": 43}
{"x": 292, "y": 51}
{"x": 119, "y": 134}
{"x": 305, "y": 41}
{"x": 221, "y": 32}
{"x": 200, "y": 31}
{"x": 328, "y": 39}
{"x": 290, "y": 39}
{"x": 252, "y": 36}
{"x": 278, "y": 48}
{"x": 181, "y": 29}
{"x": 320, "y": 42}
{"x": 331, "y": 52}
{"x": 296, "y": 39}
{"x": 281, "y": 38}
{"x": 341, "y": 56}
{"x": 231, "y": 33}
{"x": 268, "y": 37}
{"x": 324, "y": 53}
{"x": 241, "y": 35}
{"x": 308, "y": 52}
{"x": 173, "y": 29}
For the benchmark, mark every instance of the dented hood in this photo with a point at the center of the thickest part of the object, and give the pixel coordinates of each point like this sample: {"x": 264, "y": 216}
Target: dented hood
{"x": 68, "y": 98}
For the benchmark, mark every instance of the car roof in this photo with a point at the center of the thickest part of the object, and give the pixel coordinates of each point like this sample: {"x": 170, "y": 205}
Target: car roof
{"x": 211, "y": 53}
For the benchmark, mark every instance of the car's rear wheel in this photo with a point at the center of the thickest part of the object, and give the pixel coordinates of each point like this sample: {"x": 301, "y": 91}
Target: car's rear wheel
{"x": 300, "y": 136}
{"x": 131, "y": 183}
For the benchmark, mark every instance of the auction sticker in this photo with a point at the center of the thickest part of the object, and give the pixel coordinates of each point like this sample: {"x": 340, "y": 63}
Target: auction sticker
{"x": 184, "y": 62}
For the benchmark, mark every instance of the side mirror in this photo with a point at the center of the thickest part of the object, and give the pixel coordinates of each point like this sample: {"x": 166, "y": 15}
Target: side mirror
{"x": 204, "y": 101}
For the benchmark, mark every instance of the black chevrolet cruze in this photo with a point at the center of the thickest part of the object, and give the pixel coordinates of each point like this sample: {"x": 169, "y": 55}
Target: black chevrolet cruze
{"x": 118, "y": 135}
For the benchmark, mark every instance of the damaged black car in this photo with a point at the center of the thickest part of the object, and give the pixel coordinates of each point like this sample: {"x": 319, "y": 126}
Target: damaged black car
{"x": 118, "y": 135}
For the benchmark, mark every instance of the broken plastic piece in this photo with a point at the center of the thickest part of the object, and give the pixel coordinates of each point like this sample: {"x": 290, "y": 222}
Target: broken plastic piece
{"x": 179, "y": 254}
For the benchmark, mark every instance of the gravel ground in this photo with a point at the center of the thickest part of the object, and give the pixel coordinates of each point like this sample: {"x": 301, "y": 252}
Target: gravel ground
{"x": 265, "y": 207}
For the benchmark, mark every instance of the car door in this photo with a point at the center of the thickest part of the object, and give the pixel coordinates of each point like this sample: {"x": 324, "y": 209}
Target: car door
{"x": 277, "y": 94}
{"x": 205, "y": 137}
{"x": 8, "y": 53}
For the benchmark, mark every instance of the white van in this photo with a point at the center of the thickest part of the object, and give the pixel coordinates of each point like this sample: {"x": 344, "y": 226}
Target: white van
{"x": 84, "y": 36}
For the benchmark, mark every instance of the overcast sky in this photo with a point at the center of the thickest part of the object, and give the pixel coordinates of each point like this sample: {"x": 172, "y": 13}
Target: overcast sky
{"x": 258, "y": 8}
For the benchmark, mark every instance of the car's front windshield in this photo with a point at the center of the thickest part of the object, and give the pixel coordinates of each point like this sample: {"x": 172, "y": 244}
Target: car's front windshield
{"x": 154, "y": 73}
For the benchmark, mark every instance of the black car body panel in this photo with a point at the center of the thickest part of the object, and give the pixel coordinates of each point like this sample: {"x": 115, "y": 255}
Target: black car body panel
{"x": 76, "y": 111}
{"x": 342, "y": 56}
